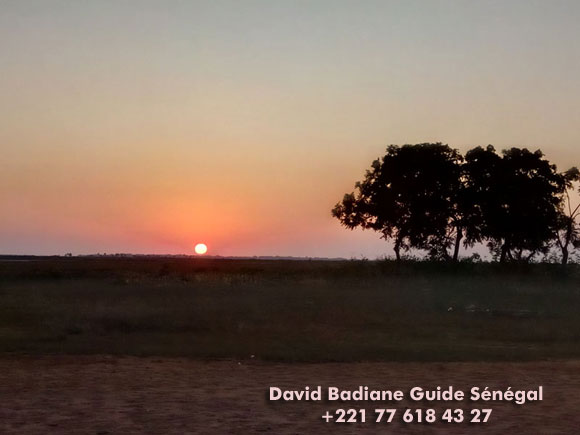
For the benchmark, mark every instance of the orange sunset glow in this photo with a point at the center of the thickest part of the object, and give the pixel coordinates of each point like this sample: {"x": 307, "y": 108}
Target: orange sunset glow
{"x": 144, "y": 129}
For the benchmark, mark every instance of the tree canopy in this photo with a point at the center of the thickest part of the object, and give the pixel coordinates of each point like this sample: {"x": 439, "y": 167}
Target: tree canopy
{"x": 429, "y": 197}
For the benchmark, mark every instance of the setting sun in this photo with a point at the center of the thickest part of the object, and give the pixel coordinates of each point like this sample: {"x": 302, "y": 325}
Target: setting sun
{"x": 200, "y": 248}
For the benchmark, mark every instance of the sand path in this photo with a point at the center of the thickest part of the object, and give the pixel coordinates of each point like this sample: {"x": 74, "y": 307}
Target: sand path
{"x": 128, "y": 395}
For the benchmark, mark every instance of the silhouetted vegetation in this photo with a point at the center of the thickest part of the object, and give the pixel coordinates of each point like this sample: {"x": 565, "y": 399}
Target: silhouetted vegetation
{"x": 568, "y": 233}
{"x": 431, "y": 198}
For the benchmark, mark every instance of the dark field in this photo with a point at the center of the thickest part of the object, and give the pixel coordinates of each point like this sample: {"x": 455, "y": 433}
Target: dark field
{"x": 289, "y": 310}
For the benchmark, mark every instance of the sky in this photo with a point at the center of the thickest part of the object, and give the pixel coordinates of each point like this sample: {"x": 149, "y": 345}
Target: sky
{"x": 149, "y": 126}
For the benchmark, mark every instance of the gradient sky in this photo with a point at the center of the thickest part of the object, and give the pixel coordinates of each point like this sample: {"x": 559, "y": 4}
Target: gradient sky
{"x": 149, "y": 126}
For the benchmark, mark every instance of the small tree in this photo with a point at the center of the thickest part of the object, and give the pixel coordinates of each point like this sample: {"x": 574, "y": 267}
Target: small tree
{"x": 568, "y": 233}
{"x": 412, "y": 196}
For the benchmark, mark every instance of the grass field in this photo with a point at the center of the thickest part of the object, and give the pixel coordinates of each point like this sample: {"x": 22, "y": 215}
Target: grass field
{"x": 289, "y": 310}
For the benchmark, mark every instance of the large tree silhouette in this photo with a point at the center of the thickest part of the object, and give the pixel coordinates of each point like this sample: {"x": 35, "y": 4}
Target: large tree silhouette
{"x": 515, "y": 201}
{"x": 426, "y": 196}
{"x": 412, "y": 195}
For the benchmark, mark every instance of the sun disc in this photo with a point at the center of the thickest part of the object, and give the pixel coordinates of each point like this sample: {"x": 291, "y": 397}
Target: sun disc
{"x": 200, "y": 248}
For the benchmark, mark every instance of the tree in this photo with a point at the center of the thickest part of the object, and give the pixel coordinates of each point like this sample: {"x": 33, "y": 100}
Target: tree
{"x": 412, "y": 196}
{"x": 568, "y": 233}
{"x": 516, "y": 201}
{"x": 480, "y": 171}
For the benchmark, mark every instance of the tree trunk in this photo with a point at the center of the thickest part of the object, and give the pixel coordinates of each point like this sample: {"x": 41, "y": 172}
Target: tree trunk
{"x": 397, "y": 250}
{"x": 504, "y": 252}
{"x": 565, "y": 255}
{"x": 457, "y": 244}
{"x": 564, "y": 245}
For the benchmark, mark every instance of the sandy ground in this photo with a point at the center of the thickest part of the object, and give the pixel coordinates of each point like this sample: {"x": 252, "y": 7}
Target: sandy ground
{"x": 110, "y": 395}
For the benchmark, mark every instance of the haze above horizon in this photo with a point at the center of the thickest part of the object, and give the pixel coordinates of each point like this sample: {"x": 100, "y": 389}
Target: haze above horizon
{"x": 144, "y": 126}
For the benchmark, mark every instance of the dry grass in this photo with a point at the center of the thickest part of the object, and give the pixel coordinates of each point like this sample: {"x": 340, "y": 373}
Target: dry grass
{"x": 289, "y": 310}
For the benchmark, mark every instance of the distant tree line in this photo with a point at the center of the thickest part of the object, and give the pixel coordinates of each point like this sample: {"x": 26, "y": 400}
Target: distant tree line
{"x": 431, "y": 198}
